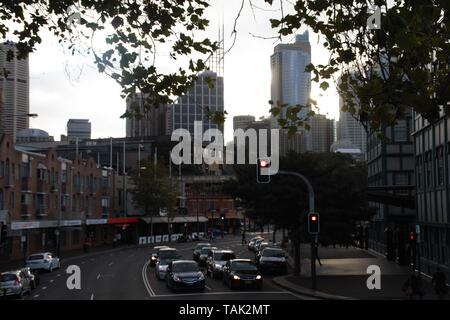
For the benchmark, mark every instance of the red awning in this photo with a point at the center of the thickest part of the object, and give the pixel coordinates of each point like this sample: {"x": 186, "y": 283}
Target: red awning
{"x": 122, "y": 220}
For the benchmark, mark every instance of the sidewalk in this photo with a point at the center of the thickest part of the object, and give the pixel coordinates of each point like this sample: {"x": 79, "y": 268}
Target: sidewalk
{"x": 343, "y": 275}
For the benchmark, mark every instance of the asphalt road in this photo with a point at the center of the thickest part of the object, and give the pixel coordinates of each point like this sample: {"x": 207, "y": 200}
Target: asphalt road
{"x": 125, "y": 274}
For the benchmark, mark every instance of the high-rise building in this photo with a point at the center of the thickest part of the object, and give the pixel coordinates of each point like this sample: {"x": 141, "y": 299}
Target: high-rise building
{"x": 242, "y": 122}
{"x": 292, "y": 85}
{"x": 14, "y": 92}
{"x": 78, "y": 129}
{"x": 322, "y": 133}
{"x": 351, "y": 129}
{"x": 145, "y": 122}
{"x": 198, "y": 104}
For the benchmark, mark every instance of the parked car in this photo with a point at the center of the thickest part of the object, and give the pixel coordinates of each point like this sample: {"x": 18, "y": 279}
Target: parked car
{"x": 252, "y": 242}
{"x": 261, "y": 247}
{"x": 258, "y": 244}
{"x": 239, "y": 273}
{"x": 154, "y": 255}
{"x": 14, "y": 283}
{"x": 204, "y": 253}
{"x": 272, "y": 260}
{"x": 184, "y": 274}
{"x": 165, "y": 256}
{"x": 33, "y": 276}
{"x": 217, "y": 260}
{"x": 197, "y": 249}
{"x": 45, "y": 261}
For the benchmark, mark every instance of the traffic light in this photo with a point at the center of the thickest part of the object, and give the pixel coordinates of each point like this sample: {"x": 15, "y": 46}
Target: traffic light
{"x": 222, "y": 216}
{"x": 3, "y": 232}
{"x": 313, "y": 223}
{"x": 412, "y": 238}
{"x": 262, "y": 170}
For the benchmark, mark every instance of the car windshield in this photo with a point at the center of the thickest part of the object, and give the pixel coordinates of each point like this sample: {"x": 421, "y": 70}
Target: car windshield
{"x": 164, "y": 262}
{"x": 156, "y": 250}
{"x": 7, "y": 277}
{"x": 273, "y": 253}
{"x": 36, "y": 257}
{"x": 224, "y": 256}
{"x": 243, "y": 266}
{"x": 167, "y": 254}
{"x": 205, "y": 250}
{"x": 200, "y": 246}
{"x": 185, "y": 267}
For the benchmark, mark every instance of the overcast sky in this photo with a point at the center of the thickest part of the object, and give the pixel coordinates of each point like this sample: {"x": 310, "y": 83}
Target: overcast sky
{"x": 64, "y": 87}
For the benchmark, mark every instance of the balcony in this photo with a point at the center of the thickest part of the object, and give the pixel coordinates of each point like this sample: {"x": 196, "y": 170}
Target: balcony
{"x": 25, "y": 210}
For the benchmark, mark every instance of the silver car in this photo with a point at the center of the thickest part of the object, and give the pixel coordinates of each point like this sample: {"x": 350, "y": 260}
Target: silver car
{"x": 14, "y": 283}
{"x": 197, "y": 249}
{"x": 45, "y": 261}
{"x": 217, "y": 260}
{"x": 165, "y": 256}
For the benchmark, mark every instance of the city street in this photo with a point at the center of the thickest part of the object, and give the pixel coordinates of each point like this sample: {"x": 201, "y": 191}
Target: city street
{"x": 125, "y": 274}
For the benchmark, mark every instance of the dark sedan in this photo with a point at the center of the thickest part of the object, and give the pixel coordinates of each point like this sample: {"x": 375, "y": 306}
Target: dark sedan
{"x": 184, "y": 275}
{"x": 242, "y": 273}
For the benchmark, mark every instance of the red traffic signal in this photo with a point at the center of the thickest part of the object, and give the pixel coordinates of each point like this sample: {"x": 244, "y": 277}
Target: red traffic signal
{"x": 313, "y": 223}
{"x": 412, "y": 237}
{"x": 262, "y": 170}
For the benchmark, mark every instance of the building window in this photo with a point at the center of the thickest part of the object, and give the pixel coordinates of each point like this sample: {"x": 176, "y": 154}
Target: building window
{"x": 419, "y": 171}
{"x": 440, "y": 165}
{"x": 105, "y": 202}
{"x": 25, "y": 198}
{"x": 11, "y": 200}
{"x": 428, "y": 168}
{"x": 401, "y": 131}
{"x": 401, "y": 179}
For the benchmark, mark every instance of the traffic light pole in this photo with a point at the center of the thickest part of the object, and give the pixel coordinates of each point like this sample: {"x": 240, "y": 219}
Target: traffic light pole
{"x": 315, "y": 237}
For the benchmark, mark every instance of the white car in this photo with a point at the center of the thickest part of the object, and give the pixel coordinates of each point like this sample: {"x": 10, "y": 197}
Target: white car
{"x": 161, "y": 268}
{"x": 44, "y": 261}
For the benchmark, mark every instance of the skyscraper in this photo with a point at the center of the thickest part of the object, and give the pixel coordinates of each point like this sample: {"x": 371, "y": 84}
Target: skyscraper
{"x": 349, "y": 128}
{"x": 292, "y": 85}
{"x": 78, "y": 129}
{"x": 322, "y": 133}
{"x": 198, "y": 104}
{"x": 14, "y": 92}
{"x": 144, "y": 122}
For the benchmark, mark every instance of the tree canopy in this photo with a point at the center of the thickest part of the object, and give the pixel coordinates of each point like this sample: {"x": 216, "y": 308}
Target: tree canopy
{"x": 404, "y": 63}
{"x": 339, "y": 184}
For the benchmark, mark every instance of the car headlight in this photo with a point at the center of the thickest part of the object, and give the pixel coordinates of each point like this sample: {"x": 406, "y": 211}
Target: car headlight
{"x": 258, "y": 277}
{"x": 235, "y": 277}
{"x": 153, "y": 258}
{"x": 201, "y": 276}
{"x": 176, "y": 278}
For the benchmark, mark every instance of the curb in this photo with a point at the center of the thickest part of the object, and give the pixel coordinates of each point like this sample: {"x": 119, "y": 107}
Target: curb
{"x": 283, "y": 283}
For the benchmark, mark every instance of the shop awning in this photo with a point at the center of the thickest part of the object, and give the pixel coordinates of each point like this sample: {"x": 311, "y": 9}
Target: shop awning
{"x": 184, "y": 219}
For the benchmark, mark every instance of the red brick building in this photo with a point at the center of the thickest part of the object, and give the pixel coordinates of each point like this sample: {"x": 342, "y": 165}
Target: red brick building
{"x": 51, "y": 203}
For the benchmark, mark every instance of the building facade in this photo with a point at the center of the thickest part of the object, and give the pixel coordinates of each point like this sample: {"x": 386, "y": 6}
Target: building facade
{"x": 291, "y": 85}
{"x": 145, "y": 122}
{"x": 78, "y": 130}
{"x": 432, "y": 163}
{"x": 198, "y": 104}
{"x": 242, "y": 122}
{"x": 322, "y": 133}
{"x": 351, "y": 129}
{"x": 391, "y": 180}
{"x": 51, "y": 203}
{"x": 14, "y": 92}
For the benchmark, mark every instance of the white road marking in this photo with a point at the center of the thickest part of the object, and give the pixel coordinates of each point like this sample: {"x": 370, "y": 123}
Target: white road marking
{"x": 92, "y": 296}
{"x": 44, "y": 288}
{"x": 110, "y": 264}
{"x": 222, "y": 293}
{"x": 58, "y": 275}
{"x": 98, "y": 276}
{"x": 36, "y": 296}
{"x": 145, "y": 280}
{"x": 208, "y": 288}
{"x": 51, "y": 281}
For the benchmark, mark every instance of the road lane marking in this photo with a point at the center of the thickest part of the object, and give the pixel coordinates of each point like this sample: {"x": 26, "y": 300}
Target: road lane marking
{"x": 58, "y": 275}
{"x": 110, "y": 264}
{"x": 221, "y": 293}
{"x": 145, "y": 280}
{"x": 98, "y": 276}
{"x": 208, "y": 288}
{"x": 44, "y": 288}
{"x": 92, "y": 296}
{"x": 36, "y": 296}
{"x": 51, "y": 281}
